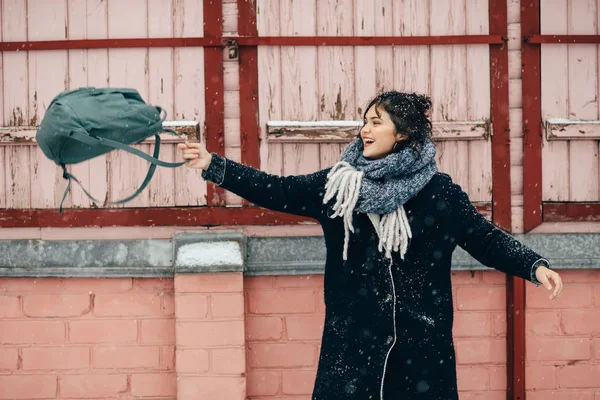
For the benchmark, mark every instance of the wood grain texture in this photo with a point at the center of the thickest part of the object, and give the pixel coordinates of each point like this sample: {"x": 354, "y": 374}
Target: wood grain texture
{"x": 583, "y": 100}
{"x": 555, "y": 95}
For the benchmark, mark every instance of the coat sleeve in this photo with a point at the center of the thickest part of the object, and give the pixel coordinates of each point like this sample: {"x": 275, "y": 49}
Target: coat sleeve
{"x": 487, "y": 243}
{"x": 299, "y": 195}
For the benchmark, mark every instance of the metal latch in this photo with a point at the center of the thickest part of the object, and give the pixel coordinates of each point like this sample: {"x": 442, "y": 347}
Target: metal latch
{"x": 233, "y": 48}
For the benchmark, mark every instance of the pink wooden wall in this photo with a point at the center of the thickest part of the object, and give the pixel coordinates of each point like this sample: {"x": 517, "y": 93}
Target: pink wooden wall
{"x": 336, "y": 82}
{"x": 171, "y": 78}
{"x": 570, "y": 92}
{"x": 302, "y": 83}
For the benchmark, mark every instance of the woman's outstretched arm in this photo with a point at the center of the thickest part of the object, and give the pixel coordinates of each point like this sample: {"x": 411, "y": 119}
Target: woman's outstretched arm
{"x": 496, "y": 249}
{"x": 300, "y": 195}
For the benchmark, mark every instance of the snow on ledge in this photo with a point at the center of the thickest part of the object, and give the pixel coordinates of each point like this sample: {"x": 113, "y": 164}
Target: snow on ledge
{"x": 208, "y": 254}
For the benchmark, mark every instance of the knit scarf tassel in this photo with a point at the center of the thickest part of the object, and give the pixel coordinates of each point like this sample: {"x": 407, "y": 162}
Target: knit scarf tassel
{"x": 344, "y": 183}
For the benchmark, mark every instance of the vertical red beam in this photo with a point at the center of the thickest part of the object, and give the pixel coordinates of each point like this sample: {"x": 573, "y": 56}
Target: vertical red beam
{"x": 532, "y": 114}
{"x": 501, "y": 211}
{"x": 501, "y": 208}
{"x": 214, "y": 98}
{"x": 248, "y": 62}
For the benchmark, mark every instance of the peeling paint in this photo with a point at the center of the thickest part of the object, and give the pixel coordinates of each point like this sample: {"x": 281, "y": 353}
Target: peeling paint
{"x": 340, "y": 108}
{"x": 17, "y": 117}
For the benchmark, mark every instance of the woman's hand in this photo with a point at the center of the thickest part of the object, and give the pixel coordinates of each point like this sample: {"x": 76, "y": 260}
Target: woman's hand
{"x": 195, "y": 155}
{"x": 548, "y": 277}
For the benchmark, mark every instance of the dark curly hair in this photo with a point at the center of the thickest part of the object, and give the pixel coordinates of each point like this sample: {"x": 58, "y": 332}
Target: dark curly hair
{"x": 409, "y": 113}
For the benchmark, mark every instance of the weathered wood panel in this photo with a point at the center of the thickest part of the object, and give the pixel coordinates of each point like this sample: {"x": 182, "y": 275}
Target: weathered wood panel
{"x": 457, "y": 77}
{"x": 171, "y": 78}
{"x": 570, "y": 165}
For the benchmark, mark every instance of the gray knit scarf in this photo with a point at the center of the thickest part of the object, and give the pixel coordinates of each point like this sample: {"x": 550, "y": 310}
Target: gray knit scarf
{"x": 379, "y": 188}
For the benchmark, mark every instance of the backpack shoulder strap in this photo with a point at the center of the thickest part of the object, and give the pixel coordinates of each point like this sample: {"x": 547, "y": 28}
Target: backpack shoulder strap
{"x": 153, "y": 160}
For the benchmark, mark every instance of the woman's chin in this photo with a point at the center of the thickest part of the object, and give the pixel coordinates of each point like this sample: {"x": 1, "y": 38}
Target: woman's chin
{"x": 370, "y": 154}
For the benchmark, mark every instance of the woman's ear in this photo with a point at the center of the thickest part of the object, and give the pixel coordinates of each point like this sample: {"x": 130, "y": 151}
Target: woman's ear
{"x": 401, "y": 136}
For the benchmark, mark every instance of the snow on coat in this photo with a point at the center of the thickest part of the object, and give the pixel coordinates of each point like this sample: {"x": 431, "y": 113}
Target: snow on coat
{"x": 388, "y": 325}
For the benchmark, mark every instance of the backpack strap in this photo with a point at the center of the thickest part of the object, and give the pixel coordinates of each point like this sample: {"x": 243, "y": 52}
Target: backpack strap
{"x": 153, "y": 160}
{"x": 98, "y": 141}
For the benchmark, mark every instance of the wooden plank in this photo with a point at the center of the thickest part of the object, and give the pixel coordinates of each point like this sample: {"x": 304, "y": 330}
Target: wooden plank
{"x": 583, "y": 100}
{"x": 190, "y": 189}
{"x": 2, "y": 120}
{"x": 88, "y": 68}
{"x": 344, "y": 131}
{"x": 336, "y": 63}
{"x": 18, "y": 176}
{"x": 48, "y": 76}
{"x": 300, "y": 159}
{"x": 47, "y": 20}
{"x": 412, "y": 63}
{"x": 269, "y": 84}
{"x": 329, "y": 154}
{"x": 128, "y": 68}
{"x": 564, "y": 212}
{"x": 384, "y": 66}
{"x": 564, "y": 129}
{"x": 14, "y": 28}
{"x": 47, "y": 183}
{"x": 161, "y": 93}
{"x": 448, "y": 86}
{"x": 478, "y": 101}
{"x": 128, "y": 19}
{"x": 3, "y": 187}
{"x": 299, "y": 91}
{"x": 299, "y": 81}
{"x": 196, "y": 216}
{"x": 499, "y": 92}
{"x": 365, "y": 57}
{"x": 554, "y": 99}
{"x": 162, "y": 186}
{"x": 126, "y": 173}
{"x": 155, "y": 217}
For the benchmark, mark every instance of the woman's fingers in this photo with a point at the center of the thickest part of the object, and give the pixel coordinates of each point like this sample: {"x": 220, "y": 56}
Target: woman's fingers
{"x": 558, "y": 285}
{"x": 543, "y": 278}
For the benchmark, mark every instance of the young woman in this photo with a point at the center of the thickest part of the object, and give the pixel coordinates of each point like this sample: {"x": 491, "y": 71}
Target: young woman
{"x": 391, "y": 222}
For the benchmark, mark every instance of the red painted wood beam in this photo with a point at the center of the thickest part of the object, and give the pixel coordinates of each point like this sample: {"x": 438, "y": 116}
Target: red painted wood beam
{"x": 189, "y": 216}
{"x": 500, "y": 121}
{"x": 214, "y": 97}
{"x": 562, "y": 39}
{"x": 568, "y": 212}
{"x": 501, "y": 195}
{"x": 369, "y": 40}
{"x": 248, "y": 77}
{"x": 249, "y": 40}
{"x": 532, "y": 117}
{"x": 157, "y": 216}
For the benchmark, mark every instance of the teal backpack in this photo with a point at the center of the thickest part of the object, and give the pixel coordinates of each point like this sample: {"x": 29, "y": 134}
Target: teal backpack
{"x": 84, "y": 123}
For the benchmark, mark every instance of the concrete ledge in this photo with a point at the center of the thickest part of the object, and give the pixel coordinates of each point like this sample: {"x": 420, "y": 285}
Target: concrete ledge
{"x": 192, "y": 252}
{"x": 209, "y": 252}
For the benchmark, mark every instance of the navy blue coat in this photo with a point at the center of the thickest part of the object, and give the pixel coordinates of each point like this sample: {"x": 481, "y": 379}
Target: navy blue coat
{"x": 388, "y": 325}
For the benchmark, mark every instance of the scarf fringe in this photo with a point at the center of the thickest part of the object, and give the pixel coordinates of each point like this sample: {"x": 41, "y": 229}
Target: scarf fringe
{"x": 344, "y": 183}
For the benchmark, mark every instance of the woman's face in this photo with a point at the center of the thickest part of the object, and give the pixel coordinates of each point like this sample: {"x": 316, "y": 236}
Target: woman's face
{"x": 379, "y": 134}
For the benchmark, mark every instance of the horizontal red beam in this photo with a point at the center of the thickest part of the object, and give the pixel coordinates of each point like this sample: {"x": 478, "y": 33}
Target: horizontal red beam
{"x": 566, "y": 212}
{"x": 165, "y": 216}
{"x": 251, "y": 41}
{"x": 562, "y": 39}
{"x": 196, "y": 216}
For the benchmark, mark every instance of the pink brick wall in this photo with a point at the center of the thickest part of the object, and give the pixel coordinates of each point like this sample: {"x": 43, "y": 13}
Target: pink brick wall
{"x": 87, "y": 338}
{"x": 563, "y": 340}
{"x": 260, "y": 337}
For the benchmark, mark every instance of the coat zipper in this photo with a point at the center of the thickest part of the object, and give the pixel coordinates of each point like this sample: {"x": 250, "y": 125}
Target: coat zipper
{"x": 394, "y": 319}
